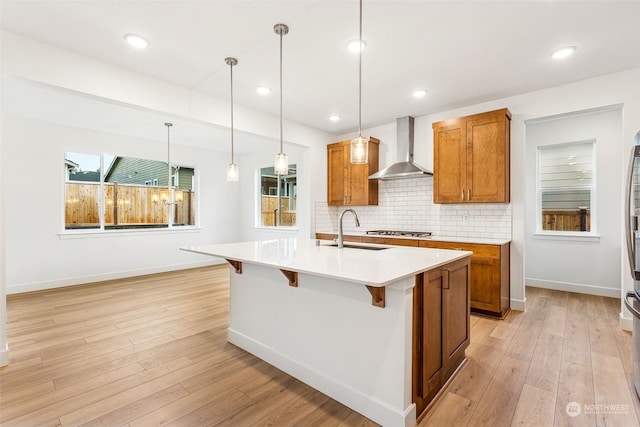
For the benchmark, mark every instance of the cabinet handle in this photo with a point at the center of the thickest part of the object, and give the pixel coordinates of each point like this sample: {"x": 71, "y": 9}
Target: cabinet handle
{"x": 468, "y": 194}
{"x": 462, "y": 194}
{"x": 445, "y": 285}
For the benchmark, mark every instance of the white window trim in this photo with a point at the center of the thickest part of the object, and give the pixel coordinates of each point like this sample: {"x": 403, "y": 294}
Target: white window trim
{"x": 258, "y": 209}
{"x": 95, "y": 232}
{"x": 567, "y": 235}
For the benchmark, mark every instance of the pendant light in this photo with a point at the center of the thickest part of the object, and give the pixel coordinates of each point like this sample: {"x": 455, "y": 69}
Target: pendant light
{"x": 281, "y": 165}
{"x": 232, "y": 169}
{"x": 360, "y": 144}
{"x": 166, "y": 196}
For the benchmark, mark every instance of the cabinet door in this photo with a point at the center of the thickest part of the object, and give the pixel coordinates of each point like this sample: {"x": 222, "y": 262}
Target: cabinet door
{"x": 349, "y": 184}
{"x": 455, "y": 315}
{"x": 337, "y": 174}
{"x": 487, "y": 158}
{"x": 358, "y": 184}
{"x": 449, "y": 162}
{"x": 485, "y": 284}
{"x": 427, "y": 336}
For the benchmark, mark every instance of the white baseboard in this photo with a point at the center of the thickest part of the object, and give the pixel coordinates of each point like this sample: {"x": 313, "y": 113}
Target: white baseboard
{"x": 574, "y": 287}
{"x": 332, "y": 387}
{"x": 91, "y": 278}
{"x": 518, "y": 304}
{"x": 626, "y": 323}
{"x": 4, "y": 355}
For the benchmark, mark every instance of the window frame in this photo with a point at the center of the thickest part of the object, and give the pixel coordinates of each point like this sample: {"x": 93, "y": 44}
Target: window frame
{"x": 103, "y": 229}
{"x": 580, "y": 235}
{"x": 258, "y": 201}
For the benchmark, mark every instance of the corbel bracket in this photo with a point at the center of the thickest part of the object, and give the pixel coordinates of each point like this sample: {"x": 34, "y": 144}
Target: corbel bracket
{"x": 377, "y": 295}
{"x": 292, "y": 276}
{"x": 237, "y": 265}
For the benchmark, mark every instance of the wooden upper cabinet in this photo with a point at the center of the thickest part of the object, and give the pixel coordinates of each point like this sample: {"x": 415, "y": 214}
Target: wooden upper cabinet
{"x": 471, "y": 158}
{"x": 349, "y": 184}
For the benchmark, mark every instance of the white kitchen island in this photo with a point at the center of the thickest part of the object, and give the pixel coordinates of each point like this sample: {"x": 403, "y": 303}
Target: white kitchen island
{"x": 340, "y": 320}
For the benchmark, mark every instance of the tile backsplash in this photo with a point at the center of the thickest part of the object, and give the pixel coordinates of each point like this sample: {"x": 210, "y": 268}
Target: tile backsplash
{"x": 407, "y": 204}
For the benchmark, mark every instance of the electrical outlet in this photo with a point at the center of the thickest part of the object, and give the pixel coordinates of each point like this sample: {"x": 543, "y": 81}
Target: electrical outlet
{"x": 465, "y": 218}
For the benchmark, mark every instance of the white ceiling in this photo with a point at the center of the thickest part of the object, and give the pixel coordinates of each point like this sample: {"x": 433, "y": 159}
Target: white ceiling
{"x": 462, "y": 52}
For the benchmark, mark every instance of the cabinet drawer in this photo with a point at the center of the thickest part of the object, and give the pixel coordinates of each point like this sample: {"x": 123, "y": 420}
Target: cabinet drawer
{"x": 479, "y": 250}
{"x": 389, "y": 241}
{"x": 327, "y": 236}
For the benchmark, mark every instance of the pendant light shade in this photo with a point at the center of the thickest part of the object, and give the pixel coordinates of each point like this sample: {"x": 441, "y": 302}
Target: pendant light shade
{"x": 170, "y": 196}
{"x": 281, "y": 164}
{"x": 232, "y": 168}
{"x": 360, "y": 144}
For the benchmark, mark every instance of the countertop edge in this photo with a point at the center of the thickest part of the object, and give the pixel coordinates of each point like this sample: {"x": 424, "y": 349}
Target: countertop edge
{"x": 201, "y": 249}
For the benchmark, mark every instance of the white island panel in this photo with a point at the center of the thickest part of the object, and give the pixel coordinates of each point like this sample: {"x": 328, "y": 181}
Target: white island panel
{"x": 328, "y": 335}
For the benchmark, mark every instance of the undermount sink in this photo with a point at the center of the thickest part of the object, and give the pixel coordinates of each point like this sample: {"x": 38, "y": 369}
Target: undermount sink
{"x": 369, "y": 248}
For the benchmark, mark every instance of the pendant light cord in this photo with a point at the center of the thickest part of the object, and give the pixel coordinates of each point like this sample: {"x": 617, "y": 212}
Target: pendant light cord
{"x": 232, "y": 153}
{"x": 168, "y": 125}
{"x": 281, "y": 134}
{"x": 360, "y": 76}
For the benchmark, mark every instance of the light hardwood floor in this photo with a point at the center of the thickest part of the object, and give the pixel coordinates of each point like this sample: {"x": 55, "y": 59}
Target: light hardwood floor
{"x": 151, "y": 350}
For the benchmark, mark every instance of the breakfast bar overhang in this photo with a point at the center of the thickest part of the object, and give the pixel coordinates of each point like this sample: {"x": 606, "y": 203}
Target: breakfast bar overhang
{"x": 340, "y": 320}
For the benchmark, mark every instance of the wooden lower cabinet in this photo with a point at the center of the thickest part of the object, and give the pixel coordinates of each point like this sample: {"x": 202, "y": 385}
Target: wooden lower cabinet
{"x": 490, "y": 293}
{"x": 490, "y": 284}
{"x": 440, "y": 328}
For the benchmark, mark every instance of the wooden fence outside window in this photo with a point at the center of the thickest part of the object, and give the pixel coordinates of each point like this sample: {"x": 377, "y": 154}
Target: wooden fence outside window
{"x": 566, "y": 220}
{"x": 125, "y": 205}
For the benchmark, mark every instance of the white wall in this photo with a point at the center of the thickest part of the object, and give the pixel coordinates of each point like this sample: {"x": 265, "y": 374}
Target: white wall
{"x": 4, "y": 347}
{"x": 579, "y": 264}
{"x": 41, "y": 255}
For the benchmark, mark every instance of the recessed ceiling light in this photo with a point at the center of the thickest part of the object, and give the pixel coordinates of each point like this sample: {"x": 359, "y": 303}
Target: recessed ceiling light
{"x": 136, "y": 41}
{"x": 420, "y": 93}
{"x": 563, "y": 52}
{"x": 335, "y": 117}
{"x": 356, "y": 45}
{"x": 263, "y": 90}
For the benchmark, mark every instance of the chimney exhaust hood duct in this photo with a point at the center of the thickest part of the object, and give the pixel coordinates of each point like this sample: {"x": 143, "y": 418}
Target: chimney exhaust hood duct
{"x": 405, "y": 167}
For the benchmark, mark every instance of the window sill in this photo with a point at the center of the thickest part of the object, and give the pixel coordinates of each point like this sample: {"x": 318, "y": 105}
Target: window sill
{"x": 91, "y": 233}
{"x": 286, "y": 230}
{"x": 567, "y": 236}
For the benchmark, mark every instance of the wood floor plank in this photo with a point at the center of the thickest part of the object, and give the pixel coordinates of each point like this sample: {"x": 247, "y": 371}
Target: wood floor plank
{"x": 525, "y": 339}
{"x": 612, "y": 397}
{"x": 536, "y": 407}
{"x": 554, "y": 322}
{"x": 577, "y": 343}
{"x": 453, "y": 410}
{"x": 575, "y": 387}
{"x": 544, "y": 369}
{"x": 498, "y": 404}
{"x": 601, "y": 337}
{"x": 474, "y": 378}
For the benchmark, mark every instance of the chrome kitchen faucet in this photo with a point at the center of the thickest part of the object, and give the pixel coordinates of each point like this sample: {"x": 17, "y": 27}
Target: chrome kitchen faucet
{"x": 340, "y": 239}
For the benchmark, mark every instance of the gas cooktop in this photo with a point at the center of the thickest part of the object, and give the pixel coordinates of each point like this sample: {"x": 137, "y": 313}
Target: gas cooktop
{"x": 400, "y": 233}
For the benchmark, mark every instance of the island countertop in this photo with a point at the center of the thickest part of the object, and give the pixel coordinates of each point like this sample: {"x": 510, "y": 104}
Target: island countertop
{"x": 375, "y": 268}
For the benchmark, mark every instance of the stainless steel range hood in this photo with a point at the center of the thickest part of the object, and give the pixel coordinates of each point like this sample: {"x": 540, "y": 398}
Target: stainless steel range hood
{"x": 405, "y": 167}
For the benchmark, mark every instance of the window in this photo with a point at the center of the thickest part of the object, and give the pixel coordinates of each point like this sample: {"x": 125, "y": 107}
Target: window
{"x": 278, "y": 195}
{"x": 566, "y": 186}
{"x": 131, "y": 193}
